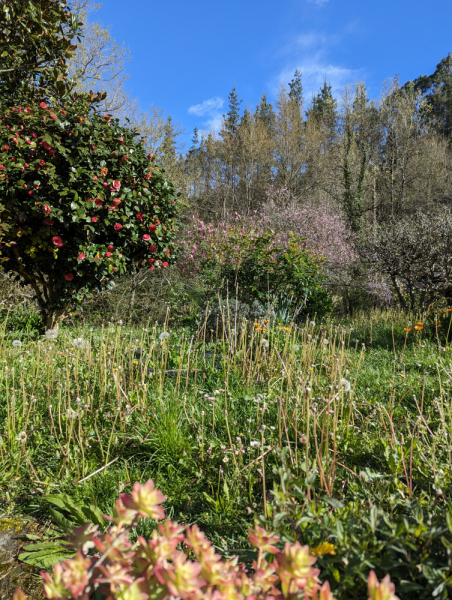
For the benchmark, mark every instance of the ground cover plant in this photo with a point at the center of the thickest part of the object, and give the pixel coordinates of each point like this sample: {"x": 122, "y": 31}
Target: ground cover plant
{"x": 336, "y": 435}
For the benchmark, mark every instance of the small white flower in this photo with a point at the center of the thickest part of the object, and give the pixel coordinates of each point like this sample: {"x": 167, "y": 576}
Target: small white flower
{"x": 21, "y": 437}
{"x": 295, "y": 347}
{"x": 164, "y": 336}
{"x": 17, "y": 343}
{"x": 51, "y": 334}
{"x": 225, "y": 459}
{"x": 71, "y": 414}
{"x": 311, "y": 323}
{"x": 345, "y": 385}
{"x": 265, "y": 343}
{"x": 326, "y": 342}
{"x": 255, "y": 443}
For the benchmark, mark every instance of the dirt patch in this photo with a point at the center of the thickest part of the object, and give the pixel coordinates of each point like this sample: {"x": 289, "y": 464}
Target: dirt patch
{"x": 15, "y": 574}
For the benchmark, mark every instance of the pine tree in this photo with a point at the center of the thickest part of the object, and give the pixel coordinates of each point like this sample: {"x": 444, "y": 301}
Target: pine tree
{"x": 167, "y": 150}
{"x": 324, "y": 110}
{"x": 265, "y": 112}
{"x": 437, "y": 91}
{"x": 232, "y": 119}
{"x": 296, "y": 89}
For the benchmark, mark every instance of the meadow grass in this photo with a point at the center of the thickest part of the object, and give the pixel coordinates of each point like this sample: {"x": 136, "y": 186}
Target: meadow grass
{"x": 206, "y": 414}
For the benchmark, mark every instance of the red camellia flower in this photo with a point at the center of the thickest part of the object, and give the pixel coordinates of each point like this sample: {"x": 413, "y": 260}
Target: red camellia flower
{"x": 46, "y": 209}
{"x": 146, "y": 237}
{"x": 30, "y": 193}
{"x": 151, "y": 268}
{"x": 116, "y": 185}
{"x": 110, "y": 247}
{"x": 151, "y": 260}
{"x": 6, "y": 147}
{"x": 117, "y": 227}
{"x": 48, "y": 221}
{"x": 117, "y": 201}
{"x": 57, "y": 241}
{"x": 42, "y": 163}
{"x": 43, "y": 105}
{"x": 1, "y": 167}
{"x": 69, "y": 276}
{"x": 46, "y": 145}
{"x": 108, "y": 254}
{"x": 105, "y": 184}
{"x": 152, "y": 248}
{"x": 53, "y": 117}
{"x": 165, "y": 264}
{"x": 139, "y": 217}
{"x": 152, "y": 228}
{"x": 97, "y": 201}
{"x": 93, "y": 219}
{"x": 26, "y": 165}
{"x": 167, "y": 252}
{"x": 81, "y": 256}
{"x": 52, "y": 152}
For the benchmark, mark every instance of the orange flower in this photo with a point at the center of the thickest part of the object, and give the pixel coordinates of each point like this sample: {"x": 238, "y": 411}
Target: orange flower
{"x": 441, "y": 312}
{"x": 256, "y": 325}
{"x": 431, "y": 308}
{"x": 449, "y": 310}
{"x": 407, "y": 328}
{"x": 418, "y": 327}
{"x": 420, "y": 323}
{"x": 437, "y": 322}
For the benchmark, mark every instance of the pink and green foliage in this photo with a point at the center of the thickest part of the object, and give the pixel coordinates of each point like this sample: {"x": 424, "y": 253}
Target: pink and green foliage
{"x": 249, "y": 255}
{"x": 179, "y": 562}
{"x": 323, "y": 227}
{"x": 82, "y": 201}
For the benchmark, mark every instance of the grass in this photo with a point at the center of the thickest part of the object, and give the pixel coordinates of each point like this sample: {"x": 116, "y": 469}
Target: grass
{"x": 206, "y": 414}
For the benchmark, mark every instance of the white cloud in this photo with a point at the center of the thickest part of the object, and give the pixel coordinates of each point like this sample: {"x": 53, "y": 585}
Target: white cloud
{"x": 319, "y": 2}
{"x": 207, "y": 107}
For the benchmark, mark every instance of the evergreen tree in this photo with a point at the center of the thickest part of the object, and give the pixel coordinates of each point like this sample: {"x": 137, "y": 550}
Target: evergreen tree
{"x": 265, "y": 112}
{"x": 324, "y": 109}
{"x": 437, "y": 90}
{"x": 167, "y": 150}
{"x": 232, "y": 118}
{"x": 296, "y": 89}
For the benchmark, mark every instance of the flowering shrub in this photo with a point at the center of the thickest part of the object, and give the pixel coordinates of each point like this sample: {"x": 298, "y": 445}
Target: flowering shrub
{"x": 252, "y": 259}
{"x": 82, "y": 202}
{"x": 160, "y": 566}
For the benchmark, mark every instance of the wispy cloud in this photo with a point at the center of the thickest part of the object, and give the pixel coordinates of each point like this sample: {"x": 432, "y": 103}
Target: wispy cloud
{"x": 207, "y": 107}
{"x": 319, "y": 2}
{"x": 211, "y": 110}
{"x": 310, "y": 53}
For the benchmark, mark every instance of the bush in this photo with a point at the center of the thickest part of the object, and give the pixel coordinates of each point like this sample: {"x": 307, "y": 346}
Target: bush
{"x": 160, "y": 567}
{"x": 246, "y": 259}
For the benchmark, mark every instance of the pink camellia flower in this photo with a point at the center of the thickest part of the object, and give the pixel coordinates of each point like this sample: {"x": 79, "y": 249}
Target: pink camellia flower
{"x": 167, "y": 252}
{"x": 108, "y": 254}
{"x": 151, "y": 268}
{"x": 93, "y": 219}
{"x": 53, "y": 117}
{"x": 165, "y": 264}
{"x": 48, "y": 221}
{"x": 93, "y": 147}
{"x": 42, "y": 163}
{"x": 146, "y": 237}
{"x": 105, "y": 184}
{"x": 30, "y": 193}
{"x": 57, "y": 241}
{"x": 43, "y": 105}
{"x": 6, "y": 147}
{"x": 95, "y": 178}
{"x": 1, "y": 167}
{"x": 152, "y": 228}
{"x": 110, "y": 247}
{"x": 46, "y": 209}
{"x": 97, "y": 201}
{"x": 117, "y": 201}
{"x": 152, "y": 248}
{"x": 116, "y": 185}
{"x": 81, "y": 256}
{"x": 26, "y": 165}
{"x": 117, "y": 227}
{"x": 25, "y": 186}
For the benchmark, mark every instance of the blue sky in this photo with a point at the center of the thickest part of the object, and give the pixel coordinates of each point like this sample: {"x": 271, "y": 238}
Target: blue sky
{"x": 187, "y": 55}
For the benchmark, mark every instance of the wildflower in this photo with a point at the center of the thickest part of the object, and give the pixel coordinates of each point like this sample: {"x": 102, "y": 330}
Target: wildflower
{"x": 407, "y": 328}
{"x": 79, "y": 343}
{"x": 254, "y": 443}
{"x": 418, "y": 327}
{"x": 323, "y": 548}
{"x": 71, "y": 414}
{"x": 21, "y": 437}
{"x": 295, "y": 347}
{"x": 164, "y": 336}
{"x": 449, "y": 310}
{"x": 265, "y": 343}
{"x": 383, "y": 590}
{"x": 326, "y": 342}
{"x": 51, "y": 334}
{"x": 311, "y": 323}
{"x": 225, "y": 459}
{"x": 345, "y": 385}
{"x": 256, "y": 325}
{"x": 17, "y": 343}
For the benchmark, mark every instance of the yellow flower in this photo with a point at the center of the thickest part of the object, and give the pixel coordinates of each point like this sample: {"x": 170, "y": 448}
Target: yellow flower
{"x": 323, "y": 548}
{"x": 135, "y": 362}
{"x": 418, "y": 327}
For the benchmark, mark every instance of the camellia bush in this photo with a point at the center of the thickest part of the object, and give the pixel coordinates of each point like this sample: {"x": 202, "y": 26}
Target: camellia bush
{"x": 82, "y": 201}
{"x": 179, "y": 562}
{"x": 251, "y": 260}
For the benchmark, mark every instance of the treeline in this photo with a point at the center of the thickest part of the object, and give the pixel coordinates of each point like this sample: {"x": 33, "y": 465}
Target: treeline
{"x": 371, "y": 159}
